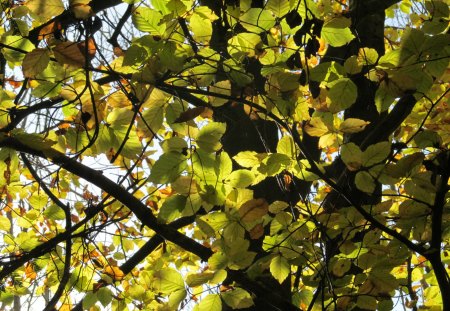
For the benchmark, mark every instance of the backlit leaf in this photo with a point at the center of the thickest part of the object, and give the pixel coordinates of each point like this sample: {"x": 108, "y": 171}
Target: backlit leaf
{"x": 336, "y": 32}
{"x": 168, "y": 167}
{"x": 212, "y": 302}
{"x": 374, "y": 154}
{"x": 35, "y": 62}
{"x": 237, "y": 298}
{"x": 352, "y": 125}
{"x": 280, "y": 268}
{"x": 208, "y": 138}
{"x": 168, "y": 280}
{"x": 365, "y": 182}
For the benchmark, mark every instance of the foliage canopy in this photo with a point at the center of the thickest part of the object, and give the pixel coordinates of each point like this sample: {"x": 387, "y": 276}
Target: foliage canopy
{"x": 209, "y": 155}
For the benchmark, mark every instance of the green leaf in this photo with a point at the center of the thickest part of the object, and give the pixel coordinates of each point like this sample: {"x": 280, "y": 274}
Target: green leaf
{"x": 152, "y": 119}
{"x": 280, "y": 268}
{"x": 194, "y": 280}
{"x": 16, "y": 42}
{"x": 352, "y": 156}
{"x": 119, "y": 117}
{"x": 176, "y": 297}
{"x": 104, "y": 295}
{"x": 278, "y": 7}
{"x": 237, "y": 298}
{"x": 341, "y": 266}
{"x": 208, "y": 138}
{"x": 54, "y": 212}
{"x": 243, "y": 44}
{"x": 172, "y": 208}
{"x": 218, "y": 261}
{"x": 428, "y": 138}
{"x": 336, "y": 32}
{"x": 223, "y": 88}
{"x": 342, "y": 93}
{"x": 168, "y": 168}
{"x": 352, "y": 125}
{"x": 352, "y": 66}
{"x": 247, "y": 159}
{"x": 212, "y": 302}
{"x": 148, "y": 20}
{"x": 364, "y": 182}
{"x": 366, "y": 302}
{"x": 89, "y": 300}
{"x": 257, "y": 20}
{"x": 240, "y": 179}
{"x": 375, "y": 154}
{"x": 167, "y": 281}
{"x": 287, "y": 146}
{"x": 201, "y": 27}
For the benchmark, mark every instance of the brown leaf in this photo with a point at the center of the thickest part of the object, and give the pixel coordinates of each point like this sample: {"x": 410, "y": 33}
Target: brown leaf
{"x": 257, "y": 232}
{"x": 253, "y": 210}
{"x": 190, "y": 114}
{"x": 69, "y": 53}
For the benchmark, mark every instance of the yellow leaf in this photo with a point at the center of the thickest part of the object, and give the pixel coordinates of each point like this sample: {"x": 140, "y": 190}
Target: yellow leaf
{"x": 45, "y": 8}
{"x": 81, "y": 9}
{"x": 352, "y": 125}
{"x": 114, "y": 272}
{"x": 316, "y": 127}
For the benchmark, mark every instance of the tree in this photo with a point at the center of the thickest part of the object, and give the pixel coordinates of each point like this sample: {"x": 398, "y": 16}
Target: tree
{"x": 209, "y": 155}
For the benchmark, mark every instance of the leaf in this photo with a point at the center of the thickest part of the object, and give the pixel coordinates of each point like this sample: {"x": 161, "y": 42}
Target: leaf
{"x": 352, "y": 156}
{"x": 336, "y": 32}
{"x": 201, "y": 27}
{"x": 364, "y": 182}
{"x": 212, "y": 302}
{"x": 176, "y": 297}
{"x": 342, "y": 93}
{"x": 104, "y": 295}
{"x": 54, "y": 212}
{"x": 114, "y": 272}
{"x": 148, "y": 20}
{"x": 168, "y": 168}
{"x": 208, "y": 138}
{"x": 190, "y": 114}
{"x": 341, "y": 266}
{"x": 5, "y": 224}
{"x": 352, "y": 125}
{"x": 366, "y": 302}
{"x": 278, "y": 7}
{"x": 240, "y": 179}
{"x": 375, "y": 154}
{"x": 223, "y": 88}
{"x": 194, "y": 280}
{"x": 280, "y": 268}
{"x": 237, "y": 298}
{"x": 287, "y": 147}
{"x": 81, "y": 9}
{"x": 167, "y": 281}
{"x": 247, "y": 159}
{"x": 352, "y": 66}
{"x": 316, "y": 127}
{"x": 35, "y": 62}
{"x": 69, "y": 53}
{"x": 253, "y": 210}
{"x": 45, "y": 8}
{"x": 257, "y": 20}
